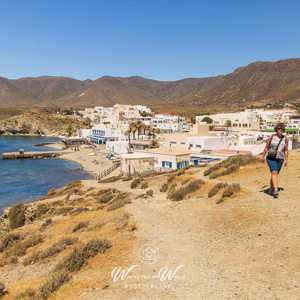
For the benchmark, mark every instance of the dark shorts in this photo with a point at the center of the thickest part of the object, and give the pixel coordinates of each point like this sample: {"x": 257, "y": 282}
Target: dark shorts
{"x": 274, "y": 164}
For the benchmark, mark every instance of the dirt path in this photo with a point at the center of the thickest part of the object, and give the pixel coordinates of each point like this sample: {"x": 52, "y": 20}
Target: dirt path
{"x": 245, "y": 248}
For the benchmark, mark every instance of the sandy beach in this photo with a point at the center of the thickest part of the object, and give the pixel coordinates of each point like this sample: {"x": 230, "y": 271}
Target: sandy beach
{"x": 94, "y": 164}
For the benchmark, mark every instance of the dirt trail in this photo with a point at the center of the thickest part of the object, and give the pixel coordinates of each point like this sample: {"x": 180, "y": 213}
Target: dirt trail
{"x": 245, "y": 248}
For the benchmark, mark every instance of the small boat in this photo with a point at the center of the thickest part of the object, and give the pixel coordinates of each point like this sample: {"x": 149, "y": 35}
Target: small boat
{"x": 91, "y": 154}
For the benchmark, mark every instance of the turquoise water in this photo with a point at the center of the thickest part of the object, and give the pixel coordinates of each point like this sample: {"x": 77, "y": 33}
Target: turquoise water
{"x": 29, "y": 179}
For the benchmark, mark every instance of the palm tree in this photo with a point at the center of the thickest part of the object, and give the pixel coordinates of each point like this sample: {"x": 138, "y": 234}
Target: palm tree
{"x": 128, "y": 133}
{"x": 148, "y": 128}
{"x": 144, "y": 128}
{"x": 69, "y": 130}
{"x": 139, "y": 126}
{"x": 132, "y": 129}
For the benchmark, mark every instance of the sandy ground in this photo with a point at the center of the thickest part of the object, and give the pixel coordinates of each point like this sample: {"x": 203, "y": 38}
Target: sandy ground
{"x": 245, "y": 248}
{"x": 92, "y": 164}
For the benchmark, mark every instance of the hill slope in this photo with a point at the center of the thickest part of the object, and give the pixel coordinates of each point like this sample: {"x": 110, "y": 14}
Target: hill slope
{"x": 259, "y": 82}
{"x": 273, "y": 82}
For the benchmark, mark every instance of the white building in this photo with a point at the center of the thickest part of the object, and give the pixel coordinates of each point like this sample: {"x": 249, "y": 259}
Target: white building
{"x": 168, "y": 123}
{"x": 199, "y": 143}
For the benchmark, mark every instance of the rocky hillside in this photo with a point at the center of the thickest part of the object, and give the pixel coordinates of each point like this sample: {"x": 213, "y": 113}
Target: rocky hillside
{"x": 32, "y": 123}
{"x": 259, "y": 82}
{"x": 270, "y": 82}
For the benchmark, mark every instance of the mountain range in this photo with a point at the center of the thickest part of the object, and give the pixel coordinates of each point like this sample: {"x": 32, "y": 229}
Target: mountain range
{"x": 257, "y": 83}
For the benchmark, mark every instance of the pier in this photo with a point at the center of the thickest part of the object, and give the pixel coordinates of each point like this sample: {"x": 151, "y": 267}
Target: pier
{"x": 32, "y": 154}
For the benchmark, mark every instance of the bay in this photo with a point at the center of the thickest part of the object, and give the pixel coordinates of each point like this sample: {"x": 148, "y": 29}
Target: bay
{"x": 22, "y": 181}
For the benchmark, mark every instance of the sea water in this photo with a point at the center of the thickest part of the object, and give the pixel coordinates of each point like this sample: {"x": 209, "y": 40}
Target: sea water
{"x": 24, "y": 180}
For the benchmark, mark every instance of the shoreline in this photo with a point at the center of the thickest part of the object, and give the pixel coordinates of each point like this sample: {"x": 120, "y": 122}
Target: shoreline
{"x": 92, "y": 165}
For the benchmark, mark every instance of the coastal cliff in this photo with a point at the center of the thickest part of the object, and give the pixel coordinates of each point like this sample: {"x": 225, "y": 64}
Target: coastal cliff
{"x": 42, "y": 124}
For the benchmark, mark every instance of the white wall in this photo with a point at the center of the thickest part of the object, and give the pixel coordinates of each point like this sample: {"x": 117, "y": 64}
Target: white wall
{"x": 207, "y": 143}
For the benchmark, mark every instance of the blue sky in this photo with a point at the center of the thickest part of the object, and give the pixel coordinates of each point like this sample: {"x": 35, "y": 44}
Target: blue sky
{"x": 163, "y": 40}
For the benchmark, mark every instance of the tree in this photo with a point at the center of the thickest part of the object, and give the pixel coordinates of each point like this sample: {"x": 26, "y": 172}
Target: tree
{"x": 154, "y": 144}
{"x": 139, "y": 126}
{"x": 207, "y": 120}
{"x": 228, "y": 123}
{"x": 69, "y": 130}
{"x": 128, "y": 133}
{"x": 133, "y": 129}
{"x": 87, "y": 122}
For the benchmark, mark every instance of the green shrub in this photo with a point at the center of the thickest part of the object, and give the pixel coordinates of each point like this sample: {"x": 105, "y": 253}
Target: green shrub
{"x": 3, "y": 292}
{"x": 214, "y": 190}
{"x": 57, "y": 211}
{"x": 8, "y": 240}
{"x": 8, "y": 261}
{"x": 171, "y": 178}
{"x": 230, "y": 190}
{"x": 111, "y": 179}
{"x": 80, "y": 226}
{"x": 185, "y": 181}
{"x": 53, "y": 283}
{"x": 46, "y": 224}
{"x": 42, "y": 209}
{"x": 150, "y": 174}
{"x": 16, "y": 216}
{"x": 51, "y": 251}
{"x": 213, "y": 168}
{"x": 149, "y": 193}
{"x": 135, "y": 183}
{"x": 20, "y": 248}
{"x": 79, "y": 210}
{"x": 28, "y": 293}
{"x": 220, "y": 201}
{"x": 231, "y": 164}
{"x": 179, "y": 194}
{"x": 77, "y": 258}
{"x": 164, "y": 188}
{"x": 127, "y": 178}
{"x": 228, "y": 171}
{"x": 106, "y": 198}
{"x": 118, "y": 202}
{"x": 144, "y": 185}
{"x": 180, "y": 172}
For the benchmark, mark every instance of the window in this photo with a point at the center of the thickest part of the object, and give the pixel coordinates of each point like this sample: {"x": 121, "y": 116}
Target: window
{"x": 198, "y": 146}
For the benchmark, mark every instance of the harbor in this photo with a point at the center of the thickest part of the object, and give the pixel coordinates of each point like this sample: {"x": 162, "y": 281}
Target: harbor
{"x": 31, "y": 154}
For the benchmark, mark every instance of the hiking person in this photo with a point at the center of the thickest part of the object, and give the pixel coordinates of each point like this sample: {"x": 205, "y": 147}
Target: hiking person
{"x": 277, "y": 148}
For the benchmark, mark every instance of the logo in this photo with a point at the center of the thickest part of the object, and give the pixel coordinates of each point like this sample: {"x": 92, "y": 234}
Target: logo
{"x": 148, "y": 254}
